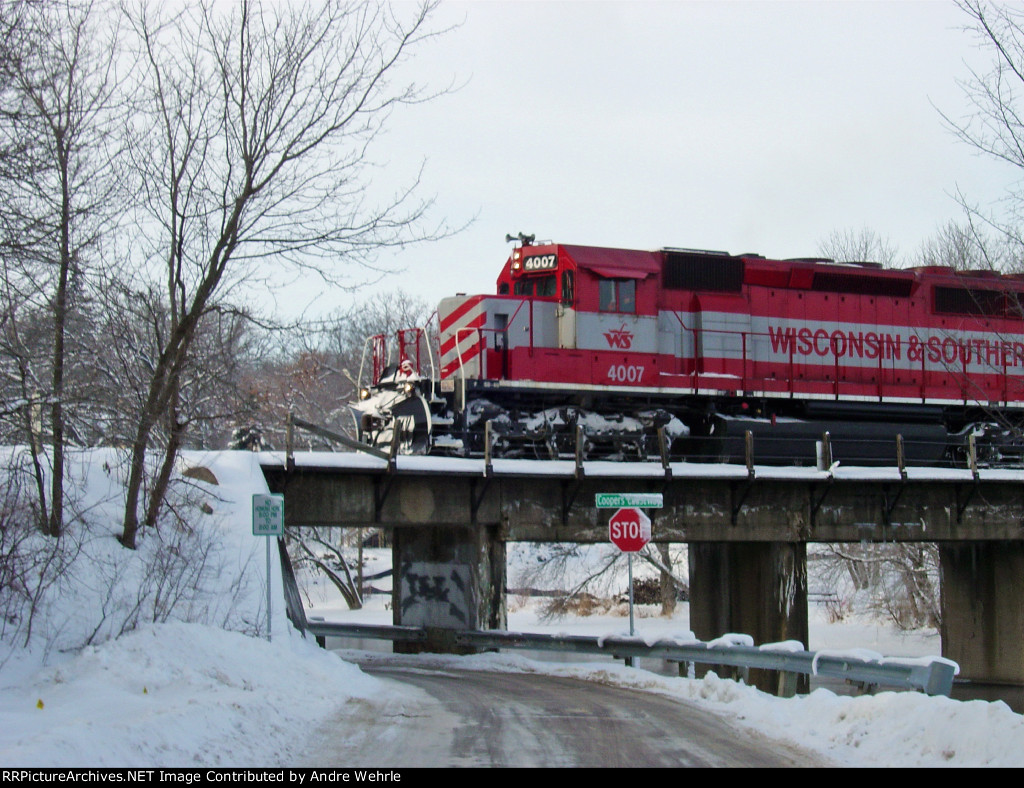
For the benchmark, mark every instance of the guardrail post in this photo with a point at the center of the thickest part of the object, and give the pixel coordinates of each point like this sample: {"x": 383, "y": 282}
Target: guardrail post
{"x": 901, "y": 462}
{"x": 787, "y": 684}
{"x": 749, "y": 451}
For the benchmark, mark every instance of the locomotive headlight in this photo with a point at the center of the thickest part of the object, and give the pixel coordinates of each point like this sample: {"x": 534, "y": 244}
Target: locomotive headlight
{"x": 364, "y": 393}
{"x": 408, "y": 388}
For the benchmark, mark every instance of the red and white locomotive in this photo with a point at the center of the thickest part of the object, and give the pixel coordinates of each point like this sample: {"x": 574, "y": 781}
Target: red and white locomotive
{"x": 699, "y": 348}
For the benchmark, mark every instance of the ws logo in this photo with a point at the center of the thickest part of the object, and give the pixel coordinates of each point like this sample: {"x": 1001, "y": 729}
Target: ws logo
{"x": 620, "y": 338}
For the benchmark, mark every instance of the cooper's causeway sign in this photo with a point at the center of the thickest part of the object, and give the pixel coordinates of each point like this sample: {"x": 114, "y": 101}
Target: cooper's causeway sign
{"x": 632, "y": 500}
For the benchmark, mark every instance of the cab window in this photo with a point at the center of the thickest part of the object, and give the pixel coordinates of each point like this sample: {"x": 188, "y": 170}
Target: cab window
{"x": 542, "y": 286}
{"x": 617, "y": 295}
{"x": 568, "y": 297}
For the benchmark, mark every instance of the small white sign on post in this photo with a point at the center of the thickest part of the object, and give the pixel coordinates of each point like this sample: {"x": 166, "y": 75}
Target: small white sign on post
{"x": 268, "y": 515}
{"x": 268, "y": 521}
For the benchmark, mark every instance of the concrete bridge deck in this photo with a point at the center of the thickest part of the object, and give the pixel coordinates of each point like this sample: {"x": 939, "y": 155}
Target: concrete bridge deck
{"x": 537, "y": 500}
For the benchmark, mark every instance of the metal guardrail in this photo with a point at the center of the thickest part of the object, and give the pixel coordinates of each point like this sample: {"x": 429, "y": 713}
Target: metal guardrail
{"x": 933, "y": 677}
{"x": 322, "y": 629}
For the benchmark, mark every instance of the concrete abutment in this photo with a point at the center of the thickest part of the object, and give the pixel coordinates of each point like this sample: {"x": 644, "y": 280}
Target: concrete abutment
{"x": 447, "y": 580}
{"x": 983, "y": 612}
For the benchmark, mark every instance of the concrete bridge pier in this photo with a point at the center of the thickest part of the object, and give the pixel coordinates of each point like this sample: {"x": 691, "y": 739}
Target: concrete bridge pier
{"x": 756, "y": 588}
{"x": 982, "y": 593}
{"x": 447, "y": 579}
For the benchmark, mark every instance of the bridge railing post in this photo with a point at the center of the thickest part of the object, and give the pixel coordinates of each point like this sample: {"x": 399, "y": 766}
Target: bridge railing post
{"x": 396, "y": 442}
{"x": 289, "y": 441}
{"x": 663, "y": 450}
{"x": 825, "y": 452}
{"x": 487, "y": 448}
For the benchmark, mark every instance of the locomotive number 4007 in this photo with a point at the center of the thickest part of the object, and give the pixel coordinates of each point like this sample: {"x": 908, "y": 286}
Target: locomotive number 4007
{"x": 540, "y": 262}
{"x": 625, "y": 373}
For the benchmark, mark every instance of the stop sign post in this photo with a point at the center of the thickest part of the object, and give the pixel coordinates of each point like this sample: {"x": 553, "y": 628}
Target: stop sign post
{"x": 629, "y": 529}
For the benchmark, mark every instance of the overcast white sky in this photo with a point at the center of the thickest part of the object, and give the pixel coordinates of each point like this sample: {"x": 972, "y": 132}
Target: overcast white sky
{"x": 740, "y": 126}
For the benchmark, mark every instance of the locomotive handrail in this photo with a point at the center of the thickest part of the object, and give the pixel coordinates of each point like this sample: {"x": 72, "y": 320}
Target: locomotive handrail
{"x": 458, "y": 350}
{"x": 468, "y": 331}
{"x": 435, "y": 370}
{"x": 460, "y": 334}
{"x": 827, "y": 356}
{"x": 683, "y": 325}
{"x": 362, "y": 360}
{"x": 967, "y": 389}
{"x": 421, "y": 335}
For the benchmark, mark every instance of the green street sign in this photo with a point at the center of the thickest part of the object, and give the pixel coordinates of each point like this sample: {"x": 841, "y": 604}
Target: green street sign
{"x": 632, "y": 500}
{"x": 268, "y": 515}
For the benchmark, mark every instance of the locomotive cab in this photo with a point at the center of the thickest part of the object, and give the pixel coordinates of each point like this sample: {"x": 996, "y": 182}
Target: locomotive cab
{"x": 601, "y": 302}
{"x": 540, "y": 273}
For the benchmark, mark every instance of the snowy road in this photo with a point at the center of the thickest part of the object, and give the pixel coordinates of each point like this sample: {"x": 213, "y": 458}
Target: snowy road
{"x": 450, "y": 718}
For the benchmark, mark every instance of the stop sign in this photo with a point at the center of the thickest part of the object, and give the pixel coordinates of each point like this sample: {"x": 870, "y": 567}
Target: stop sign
{"x": 629, "y": 529}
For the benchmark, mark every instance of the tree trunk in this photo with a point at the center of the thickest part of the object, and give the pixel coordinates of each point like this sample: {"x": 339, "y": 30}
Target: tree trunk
{"x": 668, "y": 586}
{"x": 163, "y": 397}
{"x": 163, "y": 479}
{"x": 156, "y": 403}
{"x": 60, "y": 310}
{"x": 36, "y": 448}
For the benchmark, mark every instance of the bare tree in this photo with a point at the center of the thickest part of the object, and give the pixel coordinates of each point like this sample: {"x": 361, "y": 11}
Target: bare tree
{"x": 900, "y": 578}
{"x": 993, "y": 125}
{"x": 577, "y": 575}
{"x": 311, "y": 547}
{"x": 669, "y": 585}
{"x": 859, "y": 246}
{"x": 965, "y": 247}
{"x": 251, "y": 152}
{"x": 59, "y": 107}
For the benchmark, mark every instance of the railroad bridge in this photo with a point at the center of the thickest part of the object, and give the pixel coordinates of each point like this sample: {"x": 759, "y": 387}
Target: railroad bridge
{"x": 747, "y": 529}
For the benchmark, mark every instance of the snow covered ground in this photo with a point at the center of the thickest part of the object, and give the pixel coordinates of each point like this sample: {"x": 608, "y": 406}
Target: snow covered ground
{"x": 179, "y": 694}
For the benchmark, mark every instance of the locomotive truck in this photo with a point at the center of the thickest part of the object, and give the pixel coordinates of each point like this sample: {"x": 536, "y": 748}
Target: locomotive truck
{"x": 692, "y": 353}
